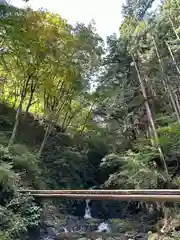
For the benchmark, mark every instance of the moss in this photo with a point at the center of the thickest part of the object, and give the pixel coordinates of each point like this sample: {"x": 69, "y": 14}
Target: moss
{"x": 4, "y": 235}
{"x": 93, "y": 221}
{"x": 119, "y": 225}
{"x": 62, "y": 219}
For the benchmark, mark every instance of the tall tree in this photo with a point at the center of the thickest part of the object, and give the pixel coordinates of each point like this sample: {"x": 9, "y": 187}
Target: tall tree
{"x": 32, "y": 39}
{"x": 136, "y": 8}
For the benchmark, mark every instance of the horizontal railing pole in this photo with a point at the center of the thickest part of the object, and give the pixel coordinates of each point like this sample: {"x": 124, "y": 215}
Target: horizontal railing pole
{"x": 133, "y": 197}
{"x": 114, "y": 192}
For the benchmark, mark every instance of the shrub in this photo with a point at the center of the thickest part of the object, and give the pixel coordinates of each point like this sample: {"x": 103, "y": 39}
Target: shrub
{"x": 24, "y": 159}
{"x": 7, "y": 176}
{"x": 29, "y": 211}
{"x": 134, "y": 169}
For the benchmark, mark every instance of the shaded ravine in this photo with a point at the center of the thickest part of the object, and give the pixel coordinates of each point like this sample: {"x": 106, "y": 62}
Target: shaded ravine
{"x": 88, "y": 227}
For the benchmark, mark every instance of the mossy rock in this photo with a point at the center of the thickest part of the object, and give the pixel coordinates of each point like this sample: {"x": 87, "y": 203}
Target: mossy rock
{"x": 59, "y": 220}
{"x": 93, "y": 221}
{"x": 122, "y": 226}
{"x": 5, "y": 235}
{"x": 153, "y": 236}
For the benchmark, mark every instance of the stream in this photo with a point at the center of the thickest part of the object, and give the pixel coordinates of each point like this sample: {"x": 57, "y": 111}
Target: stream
{"x": 90, "y": 227}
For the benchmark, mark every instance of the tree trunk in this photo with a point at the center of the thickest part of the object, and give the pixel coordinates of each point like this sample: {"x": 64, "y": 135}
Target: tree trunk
{"x": 149, "y": 114}
{"x": 15, "y": 101}
{"x": 17, "y": 118}
{"x": 174, "y": 29}
{"x": 166, "y": 82}
{"x": 87, "y": 117}
{"x": 28, "y": 105}
{"x": 151, "y": 136}
{"x": 173, "y": 58}
{"x": 48, "y": 131}
{"x": 175, "y": 103}
{"x": 149, "y": 94}
{"x": 64, "y": 120}
{"x": 69, "y": 119}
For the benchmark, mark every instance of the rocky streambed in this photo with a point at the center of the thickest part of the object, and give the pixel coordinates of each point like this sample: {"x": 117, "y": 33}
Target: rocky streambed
{"x": 70, "y": 227}
{"x": 57, "y": 226}
{"x": 87, "y": 225}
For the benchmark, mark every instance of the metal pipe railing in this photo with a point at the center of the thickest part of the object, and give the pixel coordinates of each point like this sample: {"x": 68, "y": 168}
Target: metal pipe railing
{"x": 148, "y": 198}
{"x": 161, "y": 195}
{"x": 114, "y": 192}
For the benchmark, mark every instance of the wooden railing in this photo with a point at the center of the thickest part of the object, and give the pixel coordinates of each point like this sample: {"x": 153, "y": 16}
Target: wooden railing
{"x": 149, "y": 195}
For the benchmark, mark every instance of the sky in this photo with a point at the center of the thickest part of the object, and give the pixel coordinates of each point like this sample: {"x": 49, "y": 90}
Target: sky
{"x": 106, "y": 13}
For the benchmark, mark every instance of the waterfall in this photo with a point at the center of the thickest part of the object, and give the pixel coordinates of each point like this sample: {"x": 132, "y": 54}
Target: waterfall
{"x": 65, "y": 230}
{"x": 104, "y": 227}
{"x": 87, "y": 214}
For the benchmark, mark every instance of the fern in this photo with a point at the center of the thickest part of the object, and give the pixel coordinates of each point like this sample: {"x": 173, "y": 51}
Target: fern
{"x": 169, "y": 138}
{"x": 134, "y": 170}
{"x": 7, "y": 176}
{"x": 23, "y": 159}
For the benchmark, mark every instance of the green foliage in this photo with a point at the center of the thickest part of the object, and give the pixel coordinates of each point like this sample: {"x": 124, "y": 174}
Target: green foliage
{"x": 175, "y": 236}
{"x": 5, "y": 156}
{"x": 47, "y": 65}
{"x": 28, "y": 210}
{"x": 134, "y": 170}
{"x": 5, "y": 122}
{"x": 23, "y": 159}
{"x": 15, "y": 162}
{"x": 20, "y": 215}
{"x": 170, "y": 138}
{"x": 60, "y": 163}
{"x": 5, "y": 236}
{"x": 3, "y": 139}
{"x": 126, "y": 128}
{"x": 7, "y": 176}
{"x": 138, "y": 9}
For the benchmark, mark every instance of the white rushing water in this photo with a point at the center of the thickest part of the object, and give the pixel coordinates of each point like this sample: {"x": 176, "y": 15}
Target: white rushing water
{"x": 65, "y": 230}
{"x": 104, "y": 227}
{"x": 48, "y": 238}
{"x": 87, "y": 214}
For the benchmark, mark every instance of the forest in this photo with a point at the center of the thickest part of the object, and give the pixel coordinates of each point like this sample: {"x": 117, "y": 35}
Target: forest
{"x": 78, "y": 112}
